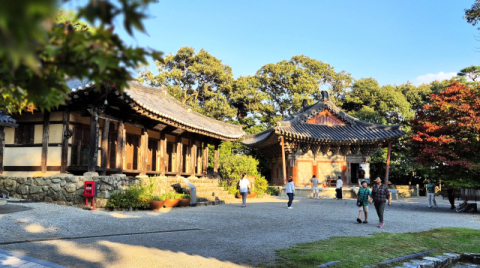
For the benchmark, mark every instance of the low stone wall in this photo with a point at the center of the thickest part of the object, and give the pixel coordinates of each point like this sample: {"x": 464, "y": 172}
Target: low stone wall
{"x": 328, "y": 192}
{"x": 68, "y": 190}
{"x": 405, "y": 190}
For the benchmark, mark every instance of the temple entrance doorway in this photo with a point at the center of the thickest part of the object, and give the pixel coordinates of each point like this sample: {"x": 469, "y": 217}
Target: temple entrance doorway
{"x": 353, "y": 172}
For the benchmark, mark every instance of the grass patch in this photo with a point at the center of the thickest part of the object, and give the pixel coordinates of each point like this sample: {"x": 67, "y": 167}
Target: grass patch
{"x": 360, "y": 251}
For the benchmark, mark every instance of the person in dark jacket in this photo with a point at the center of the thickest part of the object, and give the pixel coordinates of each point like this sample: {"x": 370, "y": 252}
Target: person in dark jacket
{"x": 380, "y": 196}
{"x": 451, "y": 196}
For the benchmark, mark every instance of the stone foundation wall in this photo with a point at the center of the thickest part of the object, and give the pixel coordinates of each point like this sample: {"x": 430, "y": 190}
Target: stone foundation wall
{"x": 405, "y": 190}
{"x": 68, "y": 190}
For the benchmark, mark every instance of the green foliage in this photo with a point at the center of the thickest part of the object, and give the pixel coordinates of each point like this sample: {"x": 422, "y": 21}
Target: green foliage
{"x": 132, "y": 197}
{"x": 386, "y": 102}
{"x": 171, "y": 195}
{"x": 197, "y": 79}
{"x": 157, "y": 197}
{"x": 41, "y": 49}
{"x": 184, "y": 196}
{"x": 444, "y": 240}
{"x": 272, "y": 191}
{"x": 472, "y": 15}
{"x": 287, "y": 83}
{"x": 472, "y": 72}
{"x": 232, "y": 167}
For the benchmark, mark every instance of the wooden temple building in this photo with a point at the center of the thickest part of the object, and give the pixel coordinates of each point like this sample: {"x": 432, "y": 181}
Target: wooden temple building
{"x": 141, "y": 131}
{"x": 321, "y": 140}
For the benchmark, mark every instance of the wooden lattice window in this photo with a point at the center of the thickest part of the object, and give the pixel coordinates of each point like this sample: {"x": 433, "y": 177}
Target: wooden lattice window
{"x": 80, "y": 145}
{"x": 24, "y": 134}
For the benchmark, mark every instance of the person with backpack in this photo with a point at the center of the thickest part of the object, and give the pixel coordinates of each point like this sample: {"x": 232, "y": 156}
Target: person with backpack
{"x": 244, "y": 188}
{"x": 364, "y": 197}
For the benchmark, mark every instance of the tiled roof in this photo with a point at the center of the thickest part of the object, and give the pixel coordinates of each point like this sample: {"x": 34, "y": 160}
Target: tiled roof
{"x": 354, "y": 131}
{"x": 6, "y": 120}
{"x": 165, "y": 108}
{"x": 158, "y": 101}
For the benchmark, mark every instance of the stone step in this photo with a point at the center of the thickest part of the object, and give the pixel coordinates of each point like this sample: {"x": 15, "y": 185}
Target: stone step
{"x": 211, "y": 203}
{"x": 219, "y": 195}
{"x": 201, "y": 185}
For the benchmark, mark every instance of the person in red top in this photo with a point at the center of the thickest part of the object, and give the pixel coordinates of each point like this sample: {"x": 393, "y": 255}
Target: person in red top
{"x": 380, "y": 195}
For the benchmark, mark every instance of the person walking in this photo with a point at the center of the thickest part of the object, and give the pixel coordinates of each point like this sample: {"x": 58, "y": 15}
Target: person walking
{"x": 290, "y": 192}
{"x": 431, "y": 194}
{"x": 365, "y": 197}
{"x": 360, "y": 175}
{"x": 380, "y": 195}
{"x": 339, "y": 185}
{"x": 314, "y": 182}
{"x": 451, "y": 196}
{"x": 244, "y": 187}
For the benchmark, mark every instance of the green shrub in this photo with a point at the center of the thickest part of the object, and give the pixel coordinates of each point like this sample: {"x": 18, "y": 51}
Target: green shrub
{"x": 132, "y": 197}
{"x": 233, "y": 166}
{"x": 114, "y": 201}
{"x": 157, "y": 198}
{"x": 184, "y": 196}
{"x": 170, "y": 195}
{"x": 272, "y": 191}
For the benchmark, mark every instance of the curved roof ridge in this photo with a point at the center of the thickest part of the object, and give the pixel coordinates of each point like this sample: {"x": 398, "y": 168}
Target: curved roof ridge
{"x": 313, "y": 110}
{"x": 158, "y": 102}
{"x": 185, "y": 106}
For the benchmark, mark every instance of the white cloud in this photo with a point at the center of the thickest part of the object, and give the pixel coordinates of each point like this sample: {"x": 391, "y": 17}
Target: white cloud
{"x": 432, "y": 77}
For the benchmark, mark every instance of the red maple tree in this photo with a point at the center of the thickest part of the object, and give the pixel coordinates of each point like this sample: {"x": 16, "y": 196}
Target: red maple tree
{"x": 446, "y": 135}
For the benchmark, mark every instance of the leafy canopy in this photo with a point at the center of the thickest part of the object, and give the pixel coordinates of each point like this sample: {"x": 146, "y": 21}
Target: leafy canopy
{"x": 41, "y": 49}
{"x": 197, "y": 79}
{"x": 446, "y": 134}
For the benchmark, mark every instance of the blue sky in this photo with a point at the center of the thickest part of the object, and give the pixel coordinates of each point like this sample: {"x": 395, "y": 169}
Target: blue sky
{"x": 391, "y": 41}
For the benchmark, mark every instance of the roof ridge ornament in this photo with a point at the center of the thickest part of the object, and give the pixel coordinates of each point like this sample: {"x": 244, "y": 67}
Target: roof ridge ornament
{"x": 324, "y": 96}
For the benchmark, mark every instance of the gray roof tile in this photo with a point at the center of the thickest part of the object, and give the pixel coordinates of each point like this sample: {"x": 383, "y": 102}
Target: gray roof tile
{"x": 353, "y": 131}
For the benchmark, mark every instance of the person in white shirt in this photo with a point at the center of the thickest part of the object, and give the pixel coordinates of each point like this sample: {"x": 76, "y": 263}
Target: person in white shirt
{"x": 244, "y": 187}
{"x": 339, "y": 188}
{"x": 290, "y": 192}
{"x": 314, "y": 182}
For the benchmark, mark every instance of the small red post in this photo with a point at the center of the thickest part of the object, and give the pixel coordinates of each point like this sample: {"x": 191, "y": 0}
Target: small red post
{"x": 93, "y": 203}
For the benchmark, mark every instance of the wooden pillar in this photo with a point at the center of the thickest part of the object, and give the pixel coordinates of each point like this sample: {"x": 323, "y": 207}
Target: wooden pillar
{"x": 295, "y": 175}
{"x": 193, "y": 154}
{"x": 215, "y": 159}
{"x": 66, "y": 135}
{"x": 283, "y": 161}
{"x": 163, "y": 153}
{"x": 105, "y": 132}
{"x": 46, "y": 132}
{"x": 93, "y": 154}
{"x": 205, "y": 158}
{"x": 2, "y": 147}
{"x": 143, "y": 152}
{"x": 388, "y": 162}
{"x": 179, "y": 163}
{"x": 120, "y": 146}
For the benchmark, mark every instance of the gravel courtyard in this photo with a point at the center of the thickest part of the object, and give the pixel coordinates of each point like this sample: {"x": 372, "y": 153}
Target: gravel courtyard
{"x": 216, "y": 236}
